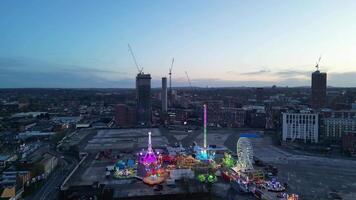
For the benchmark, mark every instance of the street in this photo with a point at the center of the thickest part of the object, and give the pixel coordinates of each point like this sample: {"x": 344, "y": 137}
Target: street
{"x": 49, "y": 191}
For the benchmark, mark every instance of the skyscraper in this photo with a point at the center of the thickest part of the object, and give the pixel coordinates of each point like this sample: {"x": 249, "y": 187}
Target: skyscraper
{"x": 318, "y": 89}
{"x": 143, "y": 99}
{"x": 164, "y": 94}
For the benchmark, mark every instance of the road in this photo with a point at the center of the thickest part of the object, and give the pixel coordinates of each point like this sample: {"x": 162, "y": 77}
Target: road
{"x": 49, "y": 191}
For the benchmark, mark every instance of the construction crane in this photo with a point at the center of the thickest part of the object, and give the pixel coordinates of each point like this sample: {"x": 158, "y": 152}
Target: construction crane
{"x": 139, "y": 68}
{"x": 170, "y": 82}
{"x": 317, "y": 64}
{"x": 190, "y": 83}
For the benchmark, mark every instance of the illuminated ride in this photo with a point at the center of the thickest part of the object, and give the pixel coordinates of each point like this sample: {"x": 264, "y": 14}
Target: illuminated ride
{"x": 152, "y": 163}
{"x": 244, "y": 166}
{"x": 274, "y": 186}
{"x": 207, "y": 178}
{"x": 125, "y": 173}
{"x": 285, "y": 196}
{"x": 124, "y": 170}
{"x": 292, "y": 197}
{"x": 228, "y": 161}
{"x": 204, "y": 153}
{"x": 245, "y": 155}
{"x": 186, "y": 162}
{"x": 149, "y": 157}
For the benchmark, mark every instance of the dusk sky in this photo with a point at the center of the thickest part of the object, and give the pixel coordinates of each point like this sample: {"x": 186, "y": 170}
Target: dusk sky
{"x": 83, "y": 43}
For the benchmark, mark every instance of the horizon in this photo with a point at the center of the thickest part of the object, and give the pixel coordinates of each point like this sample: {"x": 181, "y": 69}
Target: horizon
{"x": 178, "y": 87}
{"x": 229, "y": 44}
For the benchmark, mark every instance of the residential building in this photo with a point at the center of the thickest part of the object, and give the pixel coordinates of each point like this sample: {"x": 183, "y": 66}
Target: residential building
{"x": 5, "y": 159}
{"x": 48, "y": 163}
{"x": 259, "y": 93}
{"x": 14, "y": 176}
{"x": 301, "y": 126}
{"x": 349, "y": 143}
{"x": 125, "y": 116}
{"x": 337, "y": 123}
{"x": 214, "y": 111}
{"x": 353, "y": 106}
{"x": 255, "y": 116}
{"x": 233, "y": 117}
{"x": 274, "y": 117}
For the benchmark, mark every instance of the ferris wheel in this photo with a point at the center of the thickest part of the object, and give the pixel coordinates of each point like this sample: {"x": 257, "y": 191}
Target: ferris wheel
{"x": 244, "y": 154}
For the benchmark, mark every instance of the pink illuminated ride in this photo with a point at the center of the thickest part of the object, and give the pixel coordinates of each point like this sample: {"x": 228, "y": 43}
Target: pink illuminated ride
{"x": 149, "y": 156}
{"x": 154, "y": 173}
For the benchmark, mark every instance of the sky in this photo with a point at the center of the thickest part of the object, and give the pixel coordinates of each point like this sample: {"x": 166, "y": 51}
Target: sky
{"x": 219, "y": 43}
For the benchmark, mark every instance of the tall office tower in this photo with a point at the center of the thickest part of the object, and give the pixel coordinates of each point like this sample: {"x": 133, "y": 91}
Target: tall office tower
{"x": 318, "y": 89}
{"x": 164, "y": 94}
{"x": 143, "y": 99}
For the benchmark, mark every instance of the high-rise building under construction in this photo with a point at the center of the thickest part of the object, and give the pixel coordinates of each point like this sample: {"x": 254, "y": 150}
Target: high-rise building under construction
{"x": 164, "y": 94}
{"x": 143, "y": 99}
{"x": 318, "y": 89}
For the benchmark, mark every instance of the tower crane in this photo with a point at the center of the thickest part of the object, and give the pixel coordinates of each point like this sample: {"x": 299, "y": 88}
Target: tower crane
{"x": 191, "y": 86}
{"x": 190, "y": 83}
{"x": 170, "y": 82}
{"x": 139, "y": 68}
{"x": 317, "y": 64}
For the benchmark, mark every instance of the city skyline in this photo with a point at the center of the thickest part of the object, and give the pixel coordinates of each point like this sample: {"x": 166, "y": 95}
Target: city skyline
{"x": 228, "y": 44}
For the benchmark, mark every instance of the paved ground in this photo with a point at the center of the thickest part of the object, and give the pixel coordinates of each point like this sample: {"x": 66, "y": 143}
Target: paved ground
{"x": 123, "y": 139}
{"x": 312, "y": 177}
{"x": 49, "y": 190}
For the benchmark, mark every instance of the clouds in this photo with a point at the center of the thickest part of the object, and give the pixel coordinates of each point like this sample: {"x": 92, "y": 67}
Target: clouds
{"x": 24, "y": 72}
{"x": 213, "y": 82}
{"x": 282, "y": 73}
{"x": 259, "y": 72}
{"x": 27, "y": 64}
{"x": 345, "y": 79}
{"x": 285, "y": 77}
{"x": 88, "y": 42}
{"x": 292, "y": 78}
{"x": 289, "y": 78}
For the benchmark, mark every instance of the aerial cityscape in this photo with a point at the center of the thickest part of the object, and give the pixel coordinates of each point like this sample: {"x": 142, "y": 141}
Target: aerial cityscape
{"x": 211, "y": 100}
